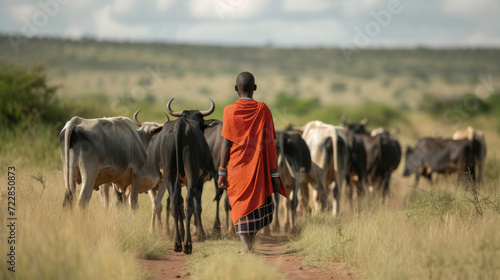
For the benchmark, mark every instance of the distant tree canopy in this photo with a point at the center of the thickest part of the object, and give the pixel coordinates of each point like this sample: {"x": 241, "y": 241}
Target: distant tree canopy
{"x": 26, "y": 98}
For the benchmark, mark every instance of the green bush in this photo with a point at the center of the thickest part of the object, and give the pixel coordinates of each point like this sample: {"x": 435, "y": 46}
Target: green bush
{"x": 338, "y": 87}
{"x": 380, "y": 114}
{"x": 292, "y": 105}
{"x": 467, "y": 105}
{"x": 26, "y": 98}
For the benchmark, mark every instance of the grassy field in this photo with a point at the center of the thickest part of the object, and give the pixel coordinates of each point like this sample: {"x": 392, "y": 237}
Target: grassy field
{"x": 437, "y": 232}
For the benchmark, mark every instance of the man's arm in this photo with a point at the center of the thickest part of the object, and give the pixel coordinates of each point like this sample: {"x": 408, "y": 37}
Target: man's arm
{"x": 224, "y": 157}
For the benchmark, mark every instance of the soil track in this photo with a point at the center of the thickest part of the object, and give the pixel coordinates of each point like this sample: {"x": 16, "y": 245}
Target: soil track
{"x": 273, "y": 250}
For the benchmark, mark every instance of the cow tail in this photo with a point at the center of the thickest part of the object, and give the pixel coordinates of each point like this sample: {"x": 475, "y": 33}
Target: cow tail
{"x": 333, "y": 135}
{"x": 67, "y": 166}
{"x": 178, "y": 161}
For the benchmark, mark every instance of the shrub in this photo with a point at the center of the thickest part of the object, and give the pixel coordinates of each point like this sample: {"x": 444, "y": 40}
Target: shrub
{"x": 292, "y": 105}
{"x": 27, "y": 98}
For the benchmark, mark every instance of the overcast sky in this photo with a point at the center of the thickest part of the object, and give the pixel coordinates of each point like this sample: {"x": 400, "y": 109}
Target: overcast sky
{"x": 285, "y": 23}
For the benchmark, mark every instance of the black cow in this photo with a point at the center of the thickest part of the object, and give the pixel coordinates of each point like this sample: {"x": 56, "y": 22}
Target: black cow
{"x": 356, "y": 175}
{"x": 213, "y": 135}
{"x": 382, "y": 151}
{"x": 478, "y": 147}
{"x": 440, "y": 155}
{"x": 294, "y": 163}
{"x": 390, "y": 151}
{"x": 184, "y": 157}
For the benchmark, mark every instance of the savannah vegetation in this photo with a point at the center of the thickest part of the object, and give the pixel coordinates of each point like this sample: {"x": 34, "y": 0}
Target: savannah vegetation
{"x": 442, "y": 231}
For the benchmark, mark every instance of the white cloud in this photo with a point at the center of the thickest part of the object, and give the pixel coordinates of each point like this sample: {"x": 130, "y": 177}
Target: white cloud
{"x": 226, "y": 9}
{"x": 18, "y": 12}
{"x": 470, "y": 9}
{"x": 123, "y": 7}
{"x": 163, "y": 5}
{"x": 74, "y": 32}
{"x": 480, "y": 39}
{"x": 279, "y": 33}
{"x": 306, "y": 6}
{"x": 107, "y": 27}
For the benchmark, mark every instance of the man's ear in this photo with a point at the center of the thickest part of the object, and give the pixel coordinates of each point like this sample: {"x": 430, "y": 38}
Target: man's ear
{"x": 235, "y": 87}
{"x": 254, "y": 87}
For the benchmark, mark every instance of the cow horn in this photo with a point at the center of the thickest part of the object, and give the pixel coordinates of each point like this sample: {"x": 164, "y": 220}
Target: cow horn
{"x": 343, "y": 120}
{"x": 138, "y": 123}
{"x": 172, "y": 113}
{"x": 168, "y": 119}
{"x": 209, "y": 111}
{"x": 365, "y": 120}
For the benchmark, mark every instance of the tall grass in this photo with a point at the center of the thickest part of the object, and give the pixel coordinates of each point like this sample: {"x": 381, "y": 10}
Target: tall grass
{"x": 438, "y": 235}
{"x": 57, "y": 243}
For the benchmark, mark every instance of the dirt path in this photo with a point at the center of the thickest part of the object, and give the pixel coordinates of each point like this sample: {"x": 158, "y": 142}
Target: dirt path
{"x": 272, "y": 250}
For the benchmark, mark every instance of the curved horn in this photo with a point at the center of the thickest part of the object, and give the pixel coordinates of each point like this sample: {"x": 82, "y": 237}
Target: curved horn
{"x": 172, "y": 113}
{"x": 168, "y": 119}
{"x": 343, "y": 120}
{"x": 138, "y": 123}
{"x": 365, "y": 120}
{"x": 209, "y": 111}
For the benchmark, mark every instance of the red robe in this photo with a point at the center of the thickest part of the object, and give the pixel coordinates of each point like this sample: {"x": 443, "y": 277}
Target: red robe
{"x": 248, "y": 124}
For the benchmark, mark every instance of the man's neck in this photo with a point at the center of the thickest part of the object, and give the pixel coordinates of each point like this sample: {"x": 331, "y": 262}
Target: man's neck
{"x": 247, "y": 98}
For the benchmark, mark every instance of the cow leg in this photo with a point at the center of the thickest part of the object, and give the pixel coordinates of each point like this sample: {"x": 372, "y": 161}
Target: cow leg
{"x": 276, "y": 223}
{"x": 292, "y": 205}
{"x": 156, "y": 205}
{"x": 134, "y": 193}
{"x": 319, "y": 196}
{"x": 349, "y": 191}
{"x": 386, "y": 185}
{"x": 104, "y": 191}
{"x": 417, "y": 175}
{"x": 217, "y": 229}
{"x": 167, "y": 221}
{"x": 335, "y": 201}
{"x": 87, "y": 186}
{"x": 118, "y": 195}
{"x": 188, "y": 246}
{"x": 304, "y": 198}
{"x": 229, "y": 222}
{"x": 177, "y": 216}
{"x": 71, "y": 185}
{"x": 289, "y": 213}
{"x": 198, "y": 209}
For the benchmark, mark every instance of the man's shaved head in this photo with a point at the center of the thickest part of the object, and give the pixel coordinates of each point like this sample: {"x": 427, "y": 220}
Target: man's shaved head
{"x": 245, "y": 84}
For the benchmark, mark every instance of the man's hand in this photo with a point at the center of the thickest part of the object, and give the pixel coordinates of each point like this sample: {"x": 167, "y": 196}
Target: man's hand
{"x": 276, "y": 183}
{"x": 222, "y": 182}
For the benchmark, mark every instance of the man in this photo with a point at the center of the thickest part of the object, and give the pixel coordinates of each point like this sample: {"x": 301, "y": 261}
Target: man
{"x": 248, "y": 162}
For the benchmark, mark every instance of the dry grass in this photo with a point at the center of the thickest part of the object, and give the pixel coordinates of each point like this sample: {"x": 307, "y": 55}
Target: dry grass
{"x": 438, "y": 235}
{"x": 54, "y": 243}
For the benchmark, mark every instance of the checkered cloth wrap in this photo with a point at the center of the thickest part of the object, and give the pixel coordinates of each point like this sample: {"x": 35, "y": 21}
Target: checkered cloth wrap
{"x": 258, "y": 219}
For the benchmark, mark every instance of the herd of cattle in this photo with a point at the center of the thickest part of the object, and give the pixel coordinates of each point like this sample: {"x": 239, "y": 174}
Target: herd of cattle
{"x": 104, "y": 152}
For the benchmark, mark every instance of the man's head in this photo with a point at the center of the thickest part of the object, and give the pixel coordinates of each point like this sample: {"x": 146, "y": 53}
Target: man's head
{"x": 245, "y": 84}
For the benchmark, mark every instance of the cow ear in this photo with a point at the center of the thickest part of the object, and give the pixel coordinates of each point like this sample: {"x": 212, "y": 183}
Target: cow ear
{"x": 156, "y": 130}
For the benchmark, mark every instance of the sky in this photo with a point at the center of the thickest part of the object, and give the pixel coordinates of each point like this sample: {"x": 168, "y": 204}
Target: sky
{"x": 283, "y": 23}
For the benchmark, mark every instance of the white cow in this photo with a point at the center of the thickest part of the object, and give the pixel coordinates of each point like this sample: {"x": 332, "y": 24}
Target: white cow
{"x": 100, "y": 151}
{"x": 329, "y": 157}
